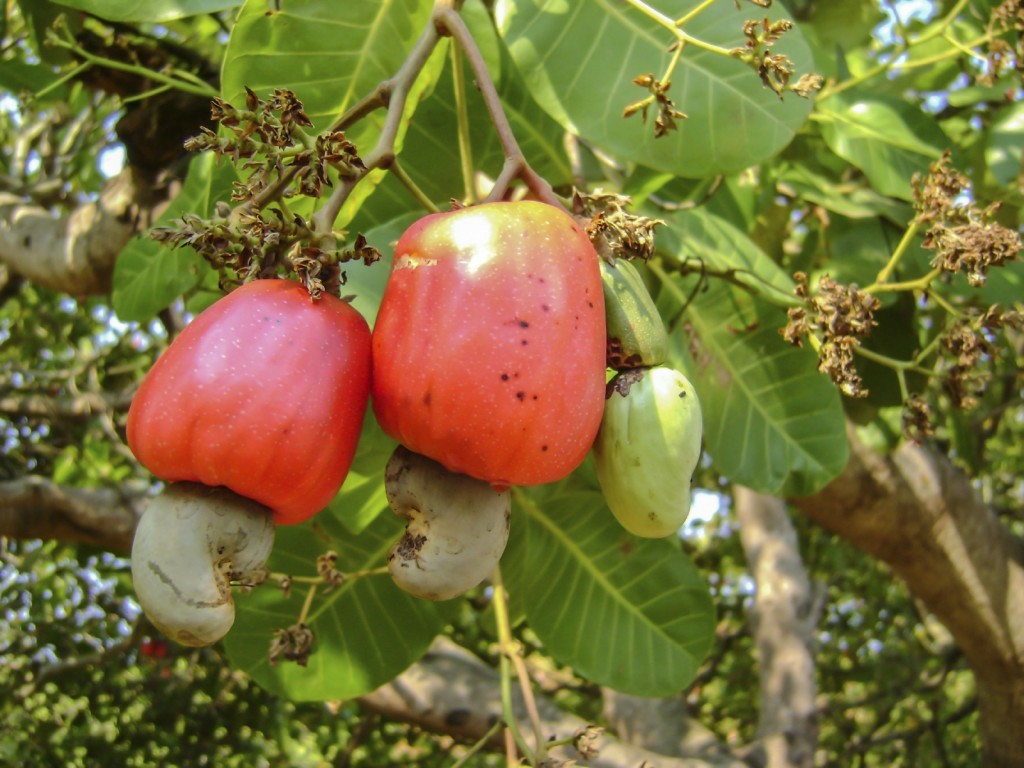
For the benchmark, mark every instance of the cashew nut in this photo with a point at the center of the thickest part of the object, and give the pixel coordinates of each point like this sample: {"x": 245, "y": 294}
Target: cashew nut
{"x": 190, "y": 544}
{"x": 456, "y": 528}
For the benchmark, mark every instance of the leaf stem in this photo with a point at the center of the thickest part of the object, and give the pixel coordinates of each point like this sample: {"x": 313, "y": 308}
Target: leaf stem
{"x": 398, "y": 171}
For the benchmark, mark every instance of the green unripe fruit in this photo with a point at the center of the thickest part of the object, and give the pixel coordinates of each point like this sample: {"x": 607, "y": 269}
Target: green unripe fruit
{"x": 636, "y": 334}
{"x": 648, "y": 448}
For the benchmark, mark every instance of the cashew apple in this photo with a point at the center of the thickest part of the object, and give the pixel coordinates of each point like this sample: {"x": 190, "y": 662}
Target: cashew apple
{"x": 263, "y": 393}
{"x": 489, "y": 346}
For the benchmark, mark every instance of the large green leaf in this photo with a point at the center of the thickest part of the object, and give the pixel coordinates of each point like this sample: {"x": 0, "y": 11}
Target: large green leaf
{"x": 887, "y": 138}
{"x": 724, "y": 249}
{"x": 149, "y": 10}
{"x": 149, "y": 276}
{"x": 330, "y": 54}
{"x": 580, "y": 58}
{"x": 772, "y": 422}
{"x": 633, "y": 614}
{"x": 367, "y": 630}
{"x": 1003, "y": 149}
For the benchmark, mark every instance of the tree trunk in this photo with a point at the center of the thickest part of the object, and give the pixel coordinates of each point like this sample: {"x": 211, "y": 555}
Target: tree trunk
{"x": 919, "y": 514}
{"x": 783, "y": 621}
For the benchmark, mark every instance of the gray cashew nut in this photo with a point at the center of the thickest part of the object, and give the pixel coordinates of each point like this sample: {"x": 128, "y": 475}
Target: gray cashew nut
{"x": 456, "y": 527}
{"x": 190, "y": 544}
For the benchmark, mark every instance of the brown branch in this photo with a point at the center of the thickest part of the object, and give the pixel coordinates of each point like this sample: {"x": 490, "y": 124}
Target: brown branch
{"x": 37, "y": 508}
{"x": 917, "y": 512}
{"x": 81, "y": 406}
{"x": 450, "y": 691}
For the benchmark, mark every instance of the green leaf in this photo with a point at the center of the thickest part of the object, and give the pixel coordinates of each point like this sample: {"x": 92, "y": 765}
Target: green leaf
{"x": 772, "y": 422}
{"x": 1003, "y": 153}
{"x": 849, "y": 199}
{"x": 149, "y": 276}
{"x": 697, "y": 234}
{"x": 367, "y": 630}
{"x": 633, "y": 614}
{"x": 579, "y": 60}
{"x": 18, "y": 77}
{"x": 155, "y": 11}
{"x": 330, "y": 54}
{"x": 362, "y": 498}
{"x": 887, "y": 138}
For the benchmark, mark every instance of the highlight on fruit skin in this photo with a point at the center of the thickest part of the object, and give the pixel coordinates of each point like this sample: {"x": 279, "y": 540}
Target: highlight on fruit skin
{"x": 456, "y": 527}
{"x": 647, "y": 449}
{"x": 191, "y": 543}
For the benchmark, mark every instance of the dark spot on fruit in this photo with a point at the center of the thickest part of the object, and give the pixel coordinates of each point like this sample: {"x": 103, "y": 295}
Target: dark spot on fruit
{"x": 409, "y": 547}
{"x": 525, "y": 342}
{"x": 426, "y": 400}
{"x": 504, "y": 377}
{"x": 543, "y": 447}
{"x": 682, "y": 393}
{"x": 545, "y": 307}
{"x": 590, "y": 304}
{"x": 523, "y": 324}
{"x": 521, "y": 395}
{"x": 535, "y": 397}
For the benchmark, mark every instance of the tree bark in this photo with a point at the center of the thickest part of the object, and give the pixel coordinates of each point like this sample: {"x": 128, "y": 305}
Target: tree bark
{"x": 451, "y": 691}
{"x": 919, "y": 514}
{"x": 783, "y": 622}
{"x": 75, "y": 253}
{"x": 37, "y": 508}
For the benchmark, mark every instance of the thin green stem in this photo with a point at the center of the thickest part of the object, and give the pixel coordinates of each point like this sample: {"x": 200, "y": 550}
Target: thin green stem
{"x": 462, "y": 123}
{"x": 682, "y": 21}
{"x": 482, "y": 742}
{"x": 187, "y": 86}
{"x": 506, "y": 646}
{"x": 63, "y": 79}
{"x": 421, "y": 197}
{"x": 919, "y": 284}
{"x": 894, "y": 260}
{"x": 307, "y": 604}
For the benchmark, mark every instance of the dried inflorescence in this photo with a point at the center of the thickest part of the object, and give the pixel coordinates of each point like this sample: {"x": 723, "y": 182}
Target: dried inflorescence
{"x": 917, "y": 419}
{"x": 292, "y": 644}
{"x": 255, "y": 239}
{"x": 965, "y": 238}
{"x": 774, "y": 69}
{"x": 667, "y": 112}
{"x": 1002, "y": 56}
{"x": 843, "y": 315}
{"x": 612, "y": 228}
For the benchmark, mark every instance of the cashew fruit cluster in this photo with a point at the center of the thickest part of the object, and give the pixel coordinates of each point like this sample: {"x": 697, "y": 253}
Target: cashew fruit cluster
{"x": 251, "y": 416}
{"x": 647, "y": 449}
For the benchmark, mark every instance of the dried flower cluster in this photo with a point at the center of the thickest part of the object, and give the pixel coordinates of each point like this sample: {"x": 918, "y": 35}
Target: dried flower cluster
{"x": 969, "y": 351}
{"x": 964, "y": 237}
{"x": 612, "y": 229}
{"x": 842, "y": 315}
{"x": 667, "y": 112}
{"x": 254, "y": 239}
{"x": 1002, "y": 56}
{"x": 775, "y": 70}
{"x": 916, "y": 419}
{"x": 292, "y": 644}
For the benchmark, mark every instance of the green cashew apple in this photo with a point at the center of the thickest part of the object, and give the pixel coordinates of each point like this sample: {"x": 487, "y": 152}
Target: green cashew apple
{"x": 647, "y": 449}
{"x": 636, "y": 334}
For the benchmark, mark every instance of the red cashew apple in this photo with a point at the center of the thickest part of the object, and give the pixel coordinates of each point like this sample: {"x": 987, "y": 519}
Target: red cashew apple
{"x": 489, "y": 346}
{"x": 263, "y": 393}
